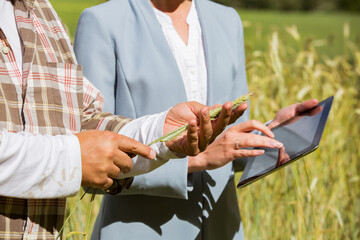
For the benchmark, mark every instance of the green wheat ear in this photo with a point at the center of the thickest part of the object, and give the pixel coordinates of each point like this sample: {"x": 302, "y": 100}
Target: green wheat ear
{"x": 214, "y": 113}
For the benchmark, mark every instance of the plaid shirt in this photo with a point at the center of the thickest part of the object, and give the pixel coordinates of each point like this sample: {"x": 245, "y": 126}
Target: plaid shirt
{"x": 50, "y": 97}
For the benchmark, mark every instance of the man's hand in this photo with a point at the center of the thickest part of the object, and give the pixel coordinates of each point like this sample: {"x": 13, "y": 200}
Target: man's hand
{"x": 201, "y": 131}
{"x": 291, "y": 111}
{"x": 105, "y": 154}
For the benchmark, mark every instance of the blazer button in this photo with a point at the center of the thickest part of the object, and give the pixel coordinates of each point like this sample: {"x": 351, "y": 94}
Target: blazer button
{"x": 6, "y": 50}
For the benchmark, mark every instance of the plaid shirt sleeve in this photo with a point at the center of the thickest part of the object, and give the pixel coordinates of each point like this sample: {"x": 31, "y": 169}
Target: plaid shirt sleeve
{"x": 93, "y": 117}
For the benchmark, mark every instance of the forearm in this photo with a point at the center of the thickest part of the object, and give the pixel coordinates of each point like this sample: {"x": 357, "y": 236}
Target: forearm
{"x": 93, "y": 116}
{"x": 39, "y": 166}
{"x": 145, "y": 130}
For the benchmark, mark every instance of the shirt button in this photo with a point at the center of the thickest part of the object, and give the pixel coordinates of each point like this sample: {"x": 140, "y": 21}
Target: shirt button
{"x": 5, "y": 50}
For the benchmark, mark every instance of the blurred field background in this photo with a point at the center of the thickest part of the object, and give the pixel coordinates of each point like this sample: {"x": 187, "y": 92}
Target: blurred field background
{"x": 292, "y": 56}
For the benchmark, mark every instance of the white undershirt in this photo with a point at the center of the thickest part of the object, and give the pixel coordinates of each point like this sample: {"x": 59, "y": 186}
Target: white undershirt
{"x": 8, "y": 25}
{"x": 45, "y": 166}
{"x": 190, "y": 58}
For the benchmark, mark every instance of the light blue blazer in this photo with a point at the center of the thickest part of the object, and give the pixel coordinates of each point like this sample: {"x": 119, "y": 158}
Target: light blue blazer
{"x": 125, "y": 54}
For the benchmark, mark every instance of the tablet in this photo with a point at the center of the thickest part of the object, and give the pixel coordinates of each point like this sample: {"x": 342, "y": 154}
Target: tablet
{"x": 300, "y": 135}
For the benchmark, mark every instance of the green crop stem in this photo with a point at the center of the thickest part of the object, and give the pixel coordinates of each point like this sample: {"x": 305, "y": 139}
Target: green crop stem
{"x": 67, "y": 219}
{"x": 88, "y": 217}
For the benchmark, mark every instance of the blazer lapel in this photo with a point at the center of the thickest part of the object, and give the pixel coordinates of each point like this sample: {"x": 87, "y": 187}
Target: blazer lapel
{"x": 217, "y": 56}
{"x": 207, "y": 40}
{"x": 162, "y": 47}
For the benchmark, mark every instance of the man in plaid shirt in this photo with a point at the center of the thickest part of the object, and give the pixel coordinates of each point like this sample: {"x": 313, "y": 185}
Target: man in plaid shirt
{"x": 45, "y": 104}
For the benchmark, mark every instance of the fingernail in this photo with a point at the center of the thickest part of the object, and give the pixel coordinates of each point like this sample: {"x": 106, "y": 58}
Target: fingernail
{"x": 193, "y": 124}
{"x": 275, "y": 144}
{"x": 259, "y": 152}
{"x": 272, "y": 134}
{"x": 152, "y": 154}
{"x": 205, "y": 112}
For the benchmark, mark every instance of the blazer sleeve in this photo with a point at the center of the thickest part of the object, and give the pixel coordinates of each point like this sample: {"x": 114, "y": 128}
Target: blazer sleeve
{"x": 94, "y": 49}
{"x": 240, "y": 82}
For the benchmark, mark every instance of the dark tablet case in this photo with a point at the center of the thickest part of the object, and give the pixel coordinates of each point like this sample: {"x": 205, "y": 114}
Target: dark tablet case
{"x": 299, "y": 137}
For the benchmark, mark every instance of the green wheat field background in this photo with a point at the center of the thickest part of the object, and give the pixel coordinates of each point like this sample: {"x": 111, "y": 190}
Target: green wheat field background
{"x": 290, "y": 57}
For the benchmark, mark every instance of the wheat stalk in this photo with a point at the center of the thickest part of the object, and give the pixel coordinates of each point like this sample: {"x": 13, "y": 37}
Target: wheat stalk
{"x": 214, "y": 113}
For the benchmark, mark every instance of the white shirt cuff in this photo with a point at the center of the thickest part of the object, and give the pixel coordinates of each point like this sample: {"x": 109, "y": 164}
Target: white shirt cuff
{"x": 147, "y": 129}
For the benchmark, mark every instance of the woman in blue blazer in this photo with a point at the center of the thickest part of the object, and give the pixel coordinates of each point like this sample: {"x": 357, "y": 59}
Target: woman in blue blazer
{"x": 125, "y": 54}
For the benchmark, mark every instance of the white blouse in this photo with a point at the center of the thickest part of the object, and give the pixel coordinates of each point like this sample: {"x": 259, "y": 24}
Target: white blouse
{"x": 189, "y": 58}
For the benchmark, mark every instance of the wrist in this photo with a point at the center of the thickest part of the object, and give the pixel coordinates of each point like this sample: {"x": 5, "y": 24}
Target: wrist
{"x": 197, "y": 163}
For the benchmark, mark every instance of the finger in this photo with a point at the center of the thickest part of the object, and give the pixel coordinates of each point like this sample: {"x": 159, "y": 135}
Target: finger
{"x": 195, "y": 107}
{"x": 248, "y": 153}
{"x": 108, "y": 184}
{"x": 252, "y": 125}
{"x": 192, "y": 139}
{"x": 254, "y": 140}
{"x": 315, "y": 111}
{"x": 307, "y": 105}
{"x": 205, "y": 129}
{"x": 238, "y": 112}
{"x": 122, "y": 161}
{"x": 114, "y": 171}
{"x": 223, "y": 120}
{"x": 129, "y": 145}
{"x": 215, "y": 106}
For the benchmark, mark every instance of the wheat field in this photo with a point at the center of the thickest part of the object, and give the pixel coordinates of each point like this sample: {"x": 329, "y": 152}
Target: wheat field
{"x": 318, "y": 197}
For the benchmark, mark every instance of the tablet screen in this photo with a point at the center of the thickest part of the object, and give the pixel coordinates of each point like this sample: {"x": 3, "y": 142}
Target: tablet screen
{"x": 300, "y": 136}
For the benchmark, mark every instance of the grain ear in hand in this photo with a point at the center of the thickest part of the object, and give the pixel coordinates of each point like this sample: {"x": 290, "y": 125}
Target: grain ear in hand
{"x": 214, "y": 113}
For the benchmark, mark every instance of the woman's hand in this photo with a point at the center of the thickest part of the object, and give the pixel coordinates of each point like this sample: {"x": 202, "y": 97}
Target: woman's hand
{"x": 232, "y": 144}
{"x": 291, "y": 111}
{"x": 201, "y": 131}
